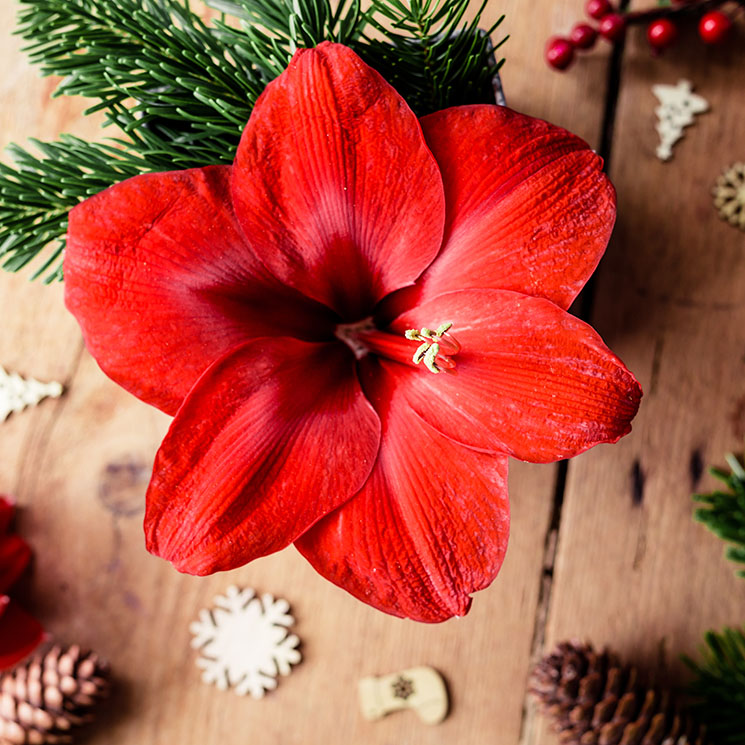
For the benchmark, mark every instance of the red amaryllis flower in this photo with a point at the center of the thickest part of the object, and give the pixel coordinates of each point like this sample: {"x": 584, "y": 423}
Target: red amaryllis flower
{"x": 274, "y": 307}
{"x": 20, "y": 633}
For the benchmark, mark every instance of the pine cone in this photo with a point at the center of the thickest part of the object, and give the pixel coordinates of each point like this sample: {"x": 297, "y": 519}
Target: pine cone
{"x": 42, "y": 700}
{"x": 595, "y": 700}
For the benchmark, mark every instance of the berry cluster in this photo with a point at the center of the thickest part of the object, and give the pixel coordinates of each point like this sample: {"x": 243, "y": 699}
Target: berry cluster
{"x": 611, "y": 23}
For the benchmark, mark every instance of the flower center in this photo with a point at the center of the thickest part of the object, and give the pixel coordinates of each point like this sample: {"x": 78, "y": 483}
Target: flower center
{"x": 435, "y": 350}
{"x": 351, "y": 333}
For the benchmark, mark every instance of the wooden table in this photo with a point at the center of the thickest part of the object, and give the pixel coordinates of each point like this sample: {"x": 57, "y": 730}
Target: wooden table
{"x": 610, "y": 555}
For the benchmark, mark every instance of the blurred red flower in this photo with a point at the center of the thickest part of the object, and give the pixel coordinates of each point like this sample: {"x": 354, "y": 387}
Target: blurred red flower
{"x": 274, "y": 308}
{"x": 20, "y": 633}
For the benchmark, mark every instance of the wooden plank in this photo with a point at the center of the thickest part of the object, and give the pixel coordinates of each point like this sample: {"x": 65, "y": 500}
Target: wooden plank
{"x": 79, "y": 467}
{"x": 572, "y": 100}
{"x": 633, "y": 570}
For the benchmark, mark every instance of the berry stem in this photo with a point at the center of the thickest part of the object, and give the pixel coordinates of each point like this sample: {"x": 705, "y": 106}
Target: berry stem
{"x": 678, "y": 11}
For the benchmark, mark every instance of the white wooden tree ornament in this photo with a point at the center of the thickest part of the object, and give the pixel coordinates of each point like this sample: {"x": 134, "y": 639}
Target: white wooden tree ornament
{"x": 16, "y": 393}
{"x": 677, "y": 109}
{"x": 244, "y": 642}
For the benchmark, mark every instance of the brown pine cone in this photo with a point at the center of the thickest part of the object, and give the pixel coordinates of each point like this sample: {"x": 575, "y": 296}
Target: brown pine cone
{"x": 42, "y": 700}
{"x": 595, "y": 700}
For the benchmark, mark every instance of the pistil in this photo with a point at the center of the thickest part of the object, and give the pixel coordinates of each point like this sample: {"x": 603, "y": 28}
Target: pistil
{"x": 436, "y": 347}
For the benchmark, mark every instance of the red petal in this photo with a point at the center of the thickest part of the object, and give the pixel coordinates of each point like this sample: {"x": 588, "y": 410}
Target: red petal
{"x": 429, "y": 527}
{"x": 7, "y": 510}
{"x": 532, "y": 380}
{"x": 15, "y": 555}
{"x": 20, "y": 633}
{"x": 528, "y": 207}
{"x": 162, "y": 282}
{"x": 333, "y": 176}
{"x": 272, "y": 437}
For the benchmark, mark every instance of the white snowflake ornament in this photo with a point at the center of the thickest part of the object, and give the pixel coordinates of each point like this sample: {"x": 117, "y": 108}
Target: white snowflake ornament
{"x": 244, "y": 642}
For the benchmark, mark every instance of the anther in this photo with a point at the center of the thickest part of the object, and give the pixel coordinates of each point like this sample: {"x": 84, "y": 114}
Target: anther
{"x": 436, "y": 347}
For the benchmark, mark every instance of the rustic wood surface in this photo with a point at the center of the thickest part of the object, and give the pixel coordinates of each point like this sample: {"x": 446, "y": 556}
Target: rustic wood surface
{"x": 613, "y": 557}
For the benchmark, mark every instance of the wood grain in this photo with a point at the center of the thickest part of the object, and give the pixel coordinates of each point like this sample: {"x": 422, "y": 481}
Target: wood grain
{"x": 633, "y": 570}
{"x": 79, "y": 467}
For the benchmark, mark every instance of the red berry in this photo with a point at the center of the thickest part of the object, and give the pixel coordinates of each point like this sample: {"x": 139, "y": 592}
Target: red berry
{"x": 598, "y": 8}
{"x": 714, "y": 26}
{"x": 583, "y": 36}
{"x": 559, "y": 53}
{"x": 613, "y": 27}
{"x": 662, "y": 33}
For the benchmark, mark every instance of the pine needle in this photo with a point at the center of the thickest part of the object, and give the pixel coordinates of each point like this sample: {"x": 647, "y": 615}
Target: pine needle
{"x": 37, "y": 194}
{"x": 180, "y": 91}
{"x": 724, "y": 514}
{"x": 719, "y": 686}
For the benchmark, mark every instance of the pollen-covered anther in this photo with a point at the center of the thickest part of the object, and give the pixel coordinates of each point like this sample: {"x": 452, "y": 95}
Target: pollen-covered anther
{"x": 436, "y": 348}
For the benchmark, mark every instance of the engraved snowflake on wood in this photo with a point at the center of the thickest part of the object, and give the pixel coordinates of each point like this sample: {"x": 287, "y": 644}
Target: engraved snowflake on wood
{"x": 244, "y": 642}
{"x": 402, "y": 688}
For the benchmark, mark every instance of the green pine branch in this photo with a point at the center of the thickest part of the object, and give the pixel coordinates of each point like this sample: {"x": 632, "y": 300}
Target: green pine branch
{"x": 430, "y": 55}
{"x": 37, "y": 194}
{"x": 271, "y": 30}
{"x": 719, "y": 686}
{"x": 180, "y": 91}
{"x": 153, "y": 67}
{"x": 724, "y": 514}
{"x": 424, "y": 48}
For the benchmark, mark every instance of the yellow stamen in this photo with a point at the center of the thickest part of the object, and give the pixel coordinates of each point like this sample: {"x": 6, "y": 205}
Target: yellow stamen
{"x": 436, "y": 347}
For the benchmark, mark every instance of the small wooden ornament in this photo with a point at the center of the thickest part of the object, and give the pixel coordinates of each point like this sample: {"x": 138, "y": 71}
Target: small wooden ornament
{"x": 678, "y": 107}
{"x": 729, "y": 195}
{"x": 16, "y": 393}
{"x": 419, "y": 688}
{"x": 244, "y": 643}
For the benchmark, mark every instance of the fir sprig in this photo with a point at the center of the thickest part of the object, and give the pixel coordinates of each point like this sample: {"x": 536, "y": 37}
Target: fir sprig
{"x": 719, "y": 686}
{"x": 724, "y": 514}
{"x": 181, "y": 90}
{"x": 161, "y": 76}
{"x": 271, "y": 30}
{"x": 430, "y": 55}
{"x": 154, "y": 67}
{"x": 424, "y": 48}
{"x": 37, "y": 194}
